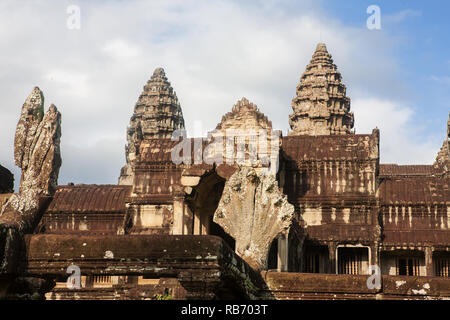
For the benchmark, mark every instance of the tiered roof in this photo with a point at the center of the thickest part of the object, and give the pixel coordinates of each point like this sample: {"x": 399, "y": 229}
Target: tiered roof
{"x": 321, "y": 106}
{"x": 158, "y": 110}
{"x": 157, "y": 114}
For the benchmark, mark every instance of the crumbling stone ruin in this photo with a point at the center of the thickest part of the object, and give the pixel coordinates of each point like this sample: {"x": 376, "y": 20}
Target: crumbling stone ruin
{"x": 37, "y": 153}
{"x": 242, "y": 213}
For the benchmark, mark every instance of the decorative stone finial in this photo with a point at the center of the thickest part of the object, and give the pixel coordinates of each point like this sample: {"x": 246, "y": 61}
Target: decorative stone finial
{"x": 321, "y": 47}
{"x": 244, "y": 104}
{"x": 252, "y": 132}
{"x": 159, "y": 75}
{"x": 321, "y": 106}
{"x": 52, "y": 108}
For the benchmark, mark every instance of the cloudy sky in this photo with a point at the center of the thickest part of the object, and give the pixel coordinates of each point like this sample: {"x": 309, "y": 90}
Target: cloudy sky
{"x": 214, "y": 53}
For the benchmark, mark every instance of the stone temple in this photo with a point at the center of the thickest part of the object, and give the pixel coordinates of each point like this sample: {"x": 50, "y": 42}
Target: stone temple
{"x": 245, "y": 213}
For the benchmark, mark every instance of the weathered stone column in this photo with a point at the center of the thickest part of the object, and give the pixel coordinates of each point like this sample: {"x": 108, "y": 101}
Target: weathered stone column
{"x": 283, "y": 253}
{"x": 89, "y": 282}
{"x": 197, "y": 222}
{"x": 188, "y": 220}
{"x": 332, "y": 258}
{"x": 300, "y": 257}
{"x": 189, "y": 182}
{"x": 178, "y": 215}
{"x": 204, "y": 222}
{"x": 429, "y": 261}
{"x": 201, "y": 221}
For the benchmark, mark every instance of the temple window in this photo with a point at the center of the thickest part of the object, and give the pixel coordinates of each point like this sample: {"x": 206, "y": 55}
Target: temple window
{"x": 100, "y": 281}
{"x": 352, "y": 260}
{"x": 403, "y": 263}
{"x": 441, "y": 261}
{"x": 408, "y": 266}
{"x": 315, "y": 258}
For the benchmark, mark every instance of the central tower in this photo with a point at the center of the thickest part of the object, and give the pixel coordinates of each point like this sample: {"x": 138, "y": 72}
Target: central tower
{"x": 321, "y": 106}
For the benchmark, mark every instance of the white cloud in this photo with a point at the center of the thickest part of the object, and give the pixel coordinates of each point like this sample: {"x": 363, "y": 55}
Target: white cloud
{"x": 445, "y": 80}
{"x": 400, "y": 140}
{"x": 71, "y": 82}
{"x": 402, "y": 16}
{"x": 103, "y": 159}
{"x": 121, "y": 50}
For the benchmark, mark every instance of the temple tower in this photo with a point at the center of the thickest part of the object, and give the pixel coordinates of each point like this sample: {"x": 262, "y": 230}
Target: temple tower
{"x": 444, "y": 154}
{"x": 157, "y": 114}
{"x": 321, "y": 106}
{"x": 245, "y": 115}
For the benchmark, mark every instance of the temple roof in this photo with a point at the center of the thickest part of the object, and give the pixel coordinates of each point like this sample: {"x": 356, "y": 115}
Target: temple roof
{"x": 84, "y": 199}
{"x": 157, "y": 150}
{"x": 349, "y": 147}
{"x": 245, "y": 115}
{"x": 415, "y": 237}
{"x": 415, "y": 190}
{"x": 407, "y": 170}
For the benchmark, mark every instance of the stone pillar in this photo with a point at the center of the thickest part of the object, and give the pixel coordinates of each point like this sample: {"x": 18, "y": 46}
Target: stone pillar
{"x": 283, "y": 253}
{"x": 300, "y": 256}
{"x": 282, "y": 178}
{"x": 204, "y": 220}
{"x": 201, "y": 221}
{"x": 123, "y": 280}
{"x": 332, "y": 258}
{"x": 188, "y": 182}
{"x": 89, "y": 282}
{"x": 178, "y": 215}
{"x": 374, "y": 255}
{"x": 429, "y": 261}
{"x": 188, "y": 220}
{"x": 197, "y": 222}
